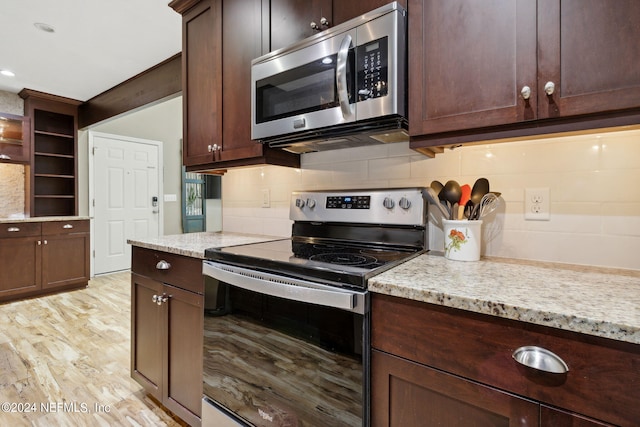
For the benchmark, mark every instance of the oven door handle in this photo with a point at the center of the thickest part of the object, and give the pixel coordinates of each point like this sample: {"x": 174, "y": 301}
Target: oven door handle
{"x": 285, "y": 287}
{"x": 341, "y": 77}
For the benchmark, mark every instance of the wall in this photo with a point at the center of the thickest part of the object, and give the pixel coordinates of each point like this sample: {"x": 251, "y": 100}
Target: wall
{"x": 12, "y": 177}
{"x": 593, "y": 181}
{"x": 159, "y": 122}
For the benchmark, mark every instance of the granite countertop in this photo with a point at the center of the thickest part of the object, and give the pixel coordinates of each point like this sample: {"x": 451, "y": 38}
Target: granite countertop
{"x": 194, "y": 244}
{"x": 593, "y": 301}
{"x": 42, "y": 219}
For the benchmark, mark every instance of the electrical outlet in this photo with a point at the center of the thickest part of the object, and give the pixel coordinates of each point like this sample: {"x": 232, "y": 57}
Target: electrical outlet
{"x": 266, "y": 198}
{"x": 536, "y": 204}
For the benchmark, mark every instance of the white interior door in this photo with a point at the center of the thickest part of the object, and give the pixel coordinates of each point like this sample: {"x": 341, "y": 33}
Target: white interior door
{"x": 126, "y": 178}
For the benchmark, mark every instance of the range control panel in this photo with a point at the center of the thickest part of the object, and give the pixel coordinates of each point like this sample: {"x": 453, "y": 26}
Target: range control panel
{"x": 348, "y": 202}
{"x": 403, "y": 206}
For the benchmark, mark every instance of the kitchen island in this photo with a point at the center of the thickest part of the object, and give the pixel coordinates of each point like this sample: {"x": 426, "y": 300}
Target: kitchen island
{"x": 447, "y": 337}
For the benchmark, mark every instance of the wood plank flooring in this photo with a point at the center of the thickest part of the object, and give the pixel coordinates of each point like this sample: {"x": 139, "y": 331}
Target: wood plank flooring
{"x": 65, "y": 360}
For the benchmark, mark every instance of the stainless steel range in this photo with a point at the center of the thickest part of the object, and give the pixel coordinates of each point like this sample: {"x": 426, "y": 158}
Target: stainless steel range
{"x": 286, "y": 335}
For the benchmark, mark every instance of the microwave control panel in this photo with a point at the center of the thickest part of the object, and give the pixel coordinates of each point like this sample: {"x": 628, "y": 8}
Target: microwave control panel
{"x": 372, "y": 69}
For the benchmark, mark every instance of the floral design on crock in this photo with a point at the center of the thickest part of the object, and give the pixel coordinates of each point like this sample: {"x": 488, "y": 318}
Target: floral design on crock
{"x": 456, "y": 239}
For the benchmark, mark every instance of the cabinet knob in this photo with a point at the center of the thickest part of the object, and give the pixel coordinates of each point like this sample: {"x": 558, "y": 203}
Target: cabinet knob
{"x": 314, "y": 26}
{"x": 160, "y": 299}
{"x": 13, "y": 229}
{"x": 549, "y": 88}
{"x": 163, "y": 265}
{"x": 526, "y": 92}
{"x": 540, "y": 359}
{"x": 324, "y": 22}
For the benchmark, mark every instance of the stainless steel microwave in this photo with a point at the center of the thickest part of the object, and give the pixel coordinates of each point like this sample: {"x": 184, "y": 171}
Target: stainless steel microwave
{"x": 342, "y": 87}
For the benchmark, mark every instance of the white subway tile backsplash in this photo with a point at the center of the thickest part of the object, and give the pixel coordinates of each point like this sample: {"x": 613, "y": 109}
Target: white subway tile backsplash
{"x": 595, "y": 201}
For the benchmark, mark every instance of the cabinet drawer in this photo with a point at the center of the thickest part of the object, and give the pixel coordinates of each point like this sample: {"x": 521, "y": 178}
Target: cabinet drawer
{"x": 603, "y": 380}
{"x": 182, "y": 272}
{"x": 65, "y": 227}
{"x": 20, "y": 229}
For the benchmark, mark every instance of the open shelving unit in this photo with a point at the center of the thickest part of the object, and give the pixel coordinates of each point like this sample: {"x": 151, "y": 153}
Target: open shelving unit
{"x": 53, "y": 170}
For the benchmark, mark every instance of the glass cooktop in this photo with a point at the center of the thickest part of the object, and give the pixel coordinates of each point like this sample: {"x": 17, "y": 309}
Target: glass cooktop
{"x": 319, "y": 260}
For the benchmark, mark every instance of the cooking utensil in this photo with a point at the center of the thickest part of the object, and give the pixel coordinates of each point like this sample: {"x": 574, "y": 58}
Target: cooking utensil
{"x": 464, "y": 198}
{"x": 432, "y": 196}
{"x": 451, "y": 193}
{"x": 488, "y": 204}
{"x": 480, "y": 188}
{"x": 437, "y": 186}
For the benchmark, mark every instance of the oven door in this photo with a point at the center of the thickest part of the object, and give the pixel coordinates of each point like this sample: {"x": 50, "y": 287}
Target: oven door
{"x": 281, "y": 351}
{"x": 308, "y": 88}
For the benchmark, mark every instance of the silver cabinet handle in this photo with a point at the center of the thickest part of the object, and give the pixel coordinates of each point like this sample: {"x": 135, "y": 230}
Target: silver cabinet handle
{"x": 13, "y": 229}
{"x": 526, "y": 92}
{"x": 549, "y": 88}
{"x": 4, "y": 157}
{"x": 541, "y": 359}
{"x": 67, "y": 226}
{"x": 163, "y": 265}
{"x": 160, "y": 299}
{"x": 341, "y": 77}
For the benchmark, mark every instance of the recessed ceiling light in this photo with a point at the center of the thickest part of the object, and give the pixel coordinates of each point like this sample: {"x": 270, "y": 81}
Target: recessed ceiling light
{"x": 44, "y": 27}
{"x": 7, "y": 73}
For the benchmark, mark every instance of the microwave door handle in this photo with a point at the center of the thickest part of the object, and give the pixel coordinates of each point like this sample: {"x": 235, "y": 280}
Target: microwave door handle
{"x": 341, "y": 77}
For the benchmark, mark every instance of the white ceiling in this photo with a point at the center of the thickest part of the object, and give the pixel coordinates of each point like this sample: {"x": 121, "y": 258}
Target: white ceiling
{"x": 96, "y": 45}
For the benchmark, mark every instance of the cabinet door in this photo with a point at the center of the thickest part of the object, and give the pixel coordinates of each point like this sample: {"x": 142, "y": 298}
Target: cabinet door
{"x": 16, "y": 141}
{"x": 290, "y": 20}
{"x": 182, "y": 392}
{"x": 407, "y": 394}
{"x": 590, "y": 51}
{"x": 147, "y": 327}
{"x": 21, "y": 260}
{"x": 241, "y": 42}
{"x": 468, "y": 61}
{"x": 346, "y": 10}
{"x": 201, "y": 82}
{"x": 65, "y": 260}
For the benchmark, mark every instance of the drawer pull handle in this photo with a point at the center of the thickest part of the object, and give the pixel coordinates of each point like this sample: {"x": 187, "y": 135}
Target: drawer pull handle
{"x": 163, "y": 265}
{"x": 13, "y": 229}
{"x": 67, "y": 226}
{"x": 541, "y": 359}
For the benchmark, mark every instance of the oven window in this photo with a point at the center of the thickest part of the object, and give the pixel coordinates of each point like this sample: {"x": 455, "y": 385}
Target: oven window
{"x": 304, "y": 89}
{"x": 276, "y": 362}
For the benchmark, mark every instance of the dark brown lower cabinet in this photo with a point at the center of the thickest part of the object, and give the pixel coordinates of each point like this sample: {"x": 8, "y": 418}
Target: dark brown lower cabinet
{"x": 406, "y": 394}
{"x": 43, "y": 257}
{"x": 438, "y": 366}
{"x": 166, "y": 328}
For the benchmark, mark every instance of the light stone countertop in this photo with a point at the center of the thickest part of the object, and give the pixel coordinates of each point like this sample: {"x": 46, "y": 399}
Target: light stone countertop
{"x": 583, "y": 299}
{"x": 194, "y": 244}
{"x": 42, "y": 219}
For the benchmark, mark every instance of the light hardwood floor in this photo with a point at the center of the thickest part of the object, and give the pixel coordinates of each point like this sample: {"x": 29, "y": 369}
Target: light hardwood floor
{"x": 65, "y": 360}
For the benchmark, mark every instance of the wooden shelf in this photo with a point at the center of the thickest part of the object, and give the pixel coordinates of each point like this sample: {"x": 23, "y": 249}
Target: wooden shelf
{"x": 54, "y": 127}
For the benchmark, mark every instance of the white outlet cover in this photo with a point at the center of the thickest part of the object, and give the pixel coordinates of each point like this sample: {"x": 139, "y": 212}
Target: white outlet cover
{"x": 266, "y": 198}
{"x": 537, "y": 204}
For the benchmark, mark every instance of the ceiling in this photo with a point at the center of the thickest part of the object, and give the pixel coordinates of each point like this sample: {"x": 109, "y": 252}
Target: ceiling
{"x": 96, "y": 44}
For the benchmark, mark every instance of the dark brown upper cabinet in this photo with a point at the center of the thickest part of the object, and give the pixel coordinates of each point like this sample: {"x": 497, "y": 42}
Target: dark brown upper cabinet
{"x": 293, "y": 20}
{"x": 216, "y": 89}
{"x": 486, "y": 70}
{"x": 15, "y": 138}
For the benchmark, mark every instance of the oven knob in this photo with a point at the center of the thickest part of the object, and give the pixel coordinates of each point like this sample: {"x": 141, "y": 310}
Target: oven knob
{"x": 300, "y": 203}
{"x": 311, "y": 203}
{"x": 404, "y": 203}
{"x": 388, "y": 203}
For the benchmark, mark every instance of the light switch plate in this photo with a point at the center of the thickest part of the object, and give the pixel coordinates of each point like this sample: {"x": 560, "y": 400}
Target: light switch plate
{"x": 266, "y": 198}
{"x": 170, "y": 198}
